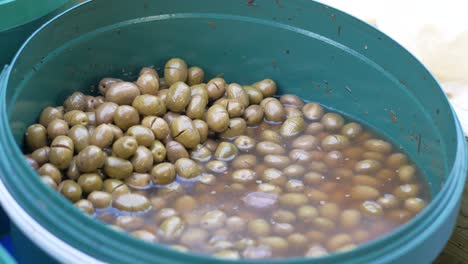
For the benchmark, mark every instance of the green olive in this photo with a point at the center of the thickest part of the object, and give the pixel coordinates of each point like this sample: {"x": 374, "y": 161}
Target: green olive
{"x": 158, "y": 151}
{"x": 314, "y": 128}
{"x": 334, "y": 158}
{"x": 216, "y": 166}
{"x": 100, "y": 199}
{"x": 147, "y": 104}
{"x": 195, "y": 75}
{"x": 367, "y": 166}
{"x": 93, "y": 102}
{"x": 254, "y": 94}
{"x": 175, "y": 151}
{"x": 200, "y": 153}
{"x": 334, "y": 142}
{"x": 175, "y": 70}
{"x": 85, "y": 206}
{"x": 171, "y": 190}
{"x": 267, "y": 147}
{"x": 292, "y": 100}
{"x": 171, "y": 228}
{"x": 162, "y": 93}
{"x": 169, "y": 117}
{"x": 73, "y": 172}
{"x": 305, "y": 142}
{"x": 202, "y": 128}
{"x": 245, "y": 161}
{"x": 142, "y": 161}
{"x": 48, "y": 115}
{"x": 276, "y": 161}
{"x": 178, "y": 97}
{"x": 61, "y": 152}
{"x": 293, "y": 199}
{"x": 266, "y": 86}
{"x": 31, "y": 162}
{"x": 243, "y": 176}
{"x": 199, "y": 89}
{"x": 105, "y": 113}
{"x": 234, "y": 107}
{"x": 105, "y": 84}
{"x": 332, "y": 121}
{"x": 138, "y": 180}
{"x": 378, "y": 145}
{"x": 114, "y": 186}
{"x": 274, "y": 176}
{"x": 70, "y": 189}
{"x": 117, "y": 168}
{"x": 184, "y": 132}
{"x": 213, "y": 220}
{"x": 313, "y": 111}
{"x": 284, "y": 216}
{"x": 90, "y": 182}
{"x": 226, "y": 151}
{"x": 80, "y": 136}
{"x": 196, "y": 107}
{"x": 148, "y": 83}
{"x": 258, "y": 228}
{"x": 351, "y": 130}
{"x": 36, "y": 136}
{"x": 300, "y": 156}
{"x": 273, "y": 110}
{"x": 76, "y": 101}
{"x": 316, "y": 251}
{"x": 125, "y": 147}
{"x": 291, "y": 111}
{"x": 371, "y": 209}
{"x": 56, "y": 127}
{"x": 143, "y": 135}
{"x": 235, "y": 91}
{"x": 158, "y": 125}
{"x": 131, "y": 202}
{"x": 76, "y": 117}
{"x": 236, "y": 127}
{"x": 52, "y": 171}
{"x": 216, "y": 88}
{"x": 294, "y": 171}
{"x": 217, "y": 118}
{"x": 396, "y": 160}
{"x": 145, "y": 235}
{"x": 271, "y": 135}
{"x": 102, "y": 136}
{"x": 122, "y": 93}
{"x": 90, "y": 159}
{"x": 253, "y": 115}
{"x": 187, "y": 168}
{"x": 149, "y": 70}
{"x": 126, "y": 116}
{"x": 276, "y": 243}
{"x": 292, "y": 126}
{"x": 194, "y": 236}
{"x": 245, "y": 143}
{"x": 41, "y": 155}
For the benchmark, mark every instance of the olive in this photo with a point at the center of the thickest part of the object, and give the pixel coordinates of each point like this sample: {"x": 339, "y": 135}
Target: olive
{"x": 406, "y": 191}
{"x": 56, "y": 127}
{"x": 196, "y": 107}
{"x": 276, "y": 161}
{"x": 122, "y": 93}
{"x": 293, "y": 199}
{"x": 138, "y": 180}
{"x": 244, "y": 161}
{"x": 266, "y": 86}
{"x": 90, "y": 182}
{"x": 226, "y": 151}
{"x": 90, "y": 159}
{"x": 70, "y": 189}
{"x": 216, "y": 88}
{"x": 125, "y": 147}
{"x": 158, "y": 151}
{"x": 330, "y": 211}
{"x": 332, "y": 121}
{"x": 277, "y": 244}
{"x": 91, "y": 118}
{"x": 338, "y": 241}
{"x": 158, "y": 125}
{"x": 187, "y": 168}
{"x": 305, "y": 142}
{"x": 194, "y": 236}
{"x": 216, "y": 166}
{"x": 76, "y": 101}
{"x": 143, "y": 135}
{"x": 171, "y": 228}
{"x": 371, "y": 208}
{"x": 93, "y": 102}
{"x": 61, "y": 152}
{"x": 334, "y": 142}
{"x": 235, "y": 91}
{"x": 163, "y": 93}
{"x": 267, "y": 147}
{"x": 145, "y": 235}
{"x": 199, "y": 89}
{"x": 142, "y": 161}
{"x": 131, "y": 202}
{"x": 149, "y": 70}
{"x": 217, "y": 118}
{"x": 236, "y": 127}
{"x": 351, "y": 130}
{"x": 85, "y": 206}
{"x": 294, "y": 185}
{"x": 76, "y": 117}
{"x": 116, "y": 187}
{"x": 73, "y": 172}
{"x": 243, "y": 176}
{"x": 366, "y": 180}
{"x": 52, "y": 171}
{"x": 282, "y": 229}
{"x": 175, "y": 70}
{"x": 316, "y": 251}
{"x": 292, "y": 100}
{"x": 184, "y": 132}
{"x": 117, "y": 168}
{"x": 313, "y": 111}
{"x": 180, "y": 248}
{"x": 213, "y": 220}
{"x": 48, "y": 115}
{"x": 414, "y": 205}
{"x": 227, "y": 254}
{"x": 406, "y": 173}
{"x": 105, "y": 84}
{"x": 234, "y": 107}
{"x": 274, "y": 176}
{"x": 284, "y": 216}
{"x": 292, "y": 126}
{"x": 102, "y": 136}
{"x": 291, "y": 111}
{"x": 350, "y": 218}
{"x": 178, "y": 97}
{"x": 271, "y": 135}
{"x": 129, "y": 222}
{"x": 41, "y": 155}
{"x": 100, "y": 199}
{"x": 148, "y": 83}
{"x": 195, "y": 75}
{"x": 307, "y": 213}
{"x": 388, "y": 201}
{"x": 202, "y": 128}
{"x": 273, "y": 110}
{"x": 126, "y": 116}
{"x": 314, "y": 128}
{"x": 378, "y": 145}
{"x": 80, "y": 136}
{"x": 373, "y": 156}
{"x": 254, "y": 94}
{"x": 175, "y": 151}
{"x": 253, "y": 115}
{"x": 258, "y": 228}
{"x": 294, "y": 171}
{"x": 105, "y": 113}
{"x": 31, "y": 162}
{"x": 200, "y": 153}
{"x": 324, "y": 224}
{"x": 396, "y": 160}
{"x": 367, "y": 166}
{"x": 147, "y": 104}
{"x": 245, "y": 143}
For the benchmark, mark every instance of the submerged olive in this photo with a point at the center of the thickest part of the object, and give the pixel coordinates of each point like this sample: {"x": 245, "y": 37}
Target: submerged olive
{"x": 171, "y": 228}
{"x": 178, "y": 97}
{"x": 175, "y": 70}
{"x": 131, "y": 202}
{"x": 292, "y": 126}
{"x": 267, "y": 147}
{"x": 244, "y": 161}
{"x": 334, "y": 142}
{"x": 195, "y": 75}
{"x": 271, "y": 135}
{"x": 226, "y": 151}
{"x": 147, "y": 104}
{"x": 122, "y": 93}
{"x": 236, "y": 127}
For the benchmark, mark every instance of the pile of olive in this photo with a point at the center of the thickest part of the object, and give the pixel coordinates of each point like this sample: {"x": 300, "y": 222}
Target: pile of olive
{"x": 222, "y": 168}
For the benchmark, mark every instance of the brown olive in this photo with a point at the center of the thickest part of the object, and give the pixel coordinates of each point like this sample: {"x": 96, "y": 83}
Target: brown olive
{"x": 195, "y": 75}
{"x": 122, "y": 93}
{"x": 102, "y": 136}
{"x": 292, "y": 100}
{"x": 148, "y": 83}
{"x": 70, "y": 189}
{"x": 163, "y": 173}
{"x": 334, "y": 142}
{"x": 294, "y": 171}
{"x": 253, "y": 115}
{"x": 105, "y": 113}
{"x": 314, "y": 128}
{"x": 147, "y": 104}
{"x": 52, "y": 171}
{"x": 36, "y": 137}
{"x": 125, "y": 147}
{"x": 266, "y": 86}
{"x": 175, "y": 70}
{"x": 142, "y": 161}
{"x": 313, "y": 111}
{"x": 367, "y": 166}
{"x": 105, "y": 84}
{"x": 332, "y": 121}
{"x": 202, "y": 128}
{"x": 61, "y": 152}
{"x": 351, "y": 130}
{"x": 187, "y": 168}
{"x": 215, "y": 88}
{"x": 291, "y": 111}
{"x": 184, "y": 132}
{"x": 236, "y": 127}
{"x": 396, "y": 160}
{"x": 49, "y": 114}
{"x": 117, "y": 168}
{"x": 76, "y": 101}
{"x": 273, "y": 110}
{"x": 56, "y": 127}
{"x": 378, "y": 145}
{"x": 334, "y": 158}
{"x": 235, "y": 91}
{"x": 126, "y": 116}
{"x": 175, "y": 151}
{"x": 255, "y": 95}
{"x": 196, "y": 107}
{"x": 217, "y": 118}
{"x": 90, "y": 182}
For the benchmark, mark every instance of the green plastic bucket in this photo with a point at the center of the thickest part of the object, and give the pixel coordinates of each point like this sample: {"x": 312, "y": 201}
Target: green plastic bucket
{"x": 311, "y": 50}
{"x": 5, "y": 258}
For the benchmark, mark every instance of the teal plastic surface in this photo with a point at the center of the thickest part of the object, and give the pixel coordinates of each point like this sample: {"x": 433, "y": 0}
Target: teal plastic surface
{"x": 311, "y": 50}
{"x": 5, "y": 258}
